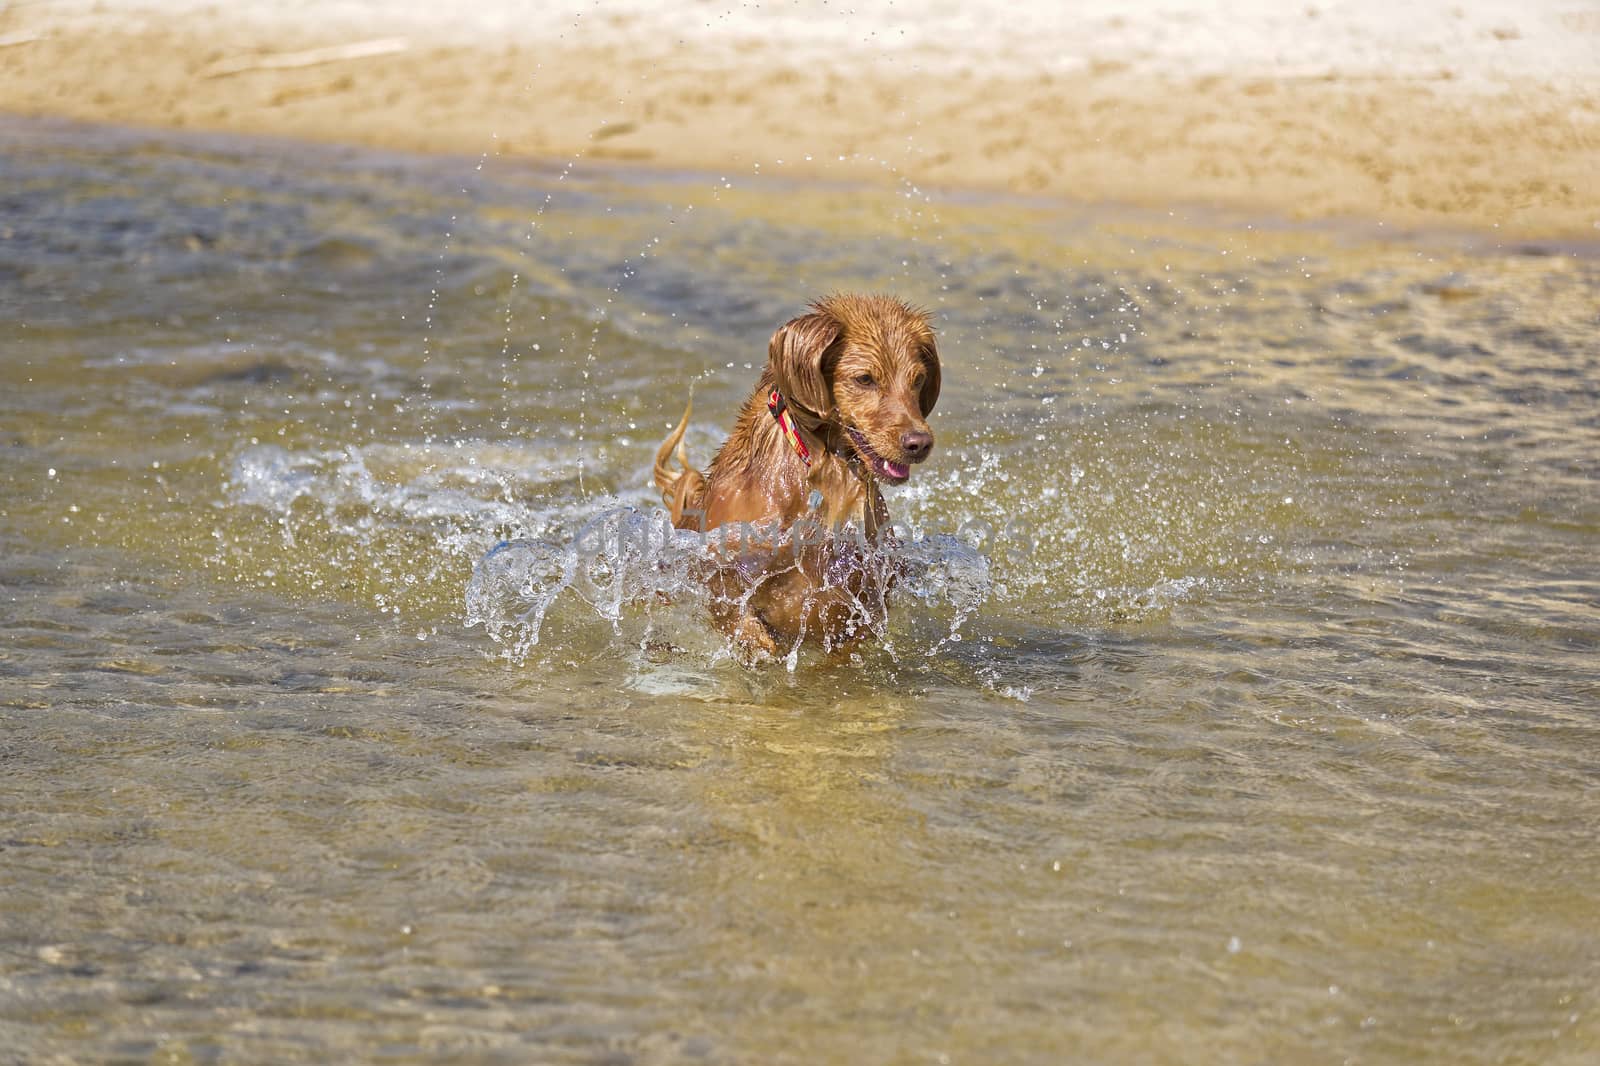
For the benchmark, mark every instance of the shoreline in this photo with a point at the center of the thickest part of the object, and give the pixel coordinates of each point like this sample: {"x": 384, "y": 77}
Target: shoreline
{"x": 1433, "y": 150}
{"x": 1182, "y": 216}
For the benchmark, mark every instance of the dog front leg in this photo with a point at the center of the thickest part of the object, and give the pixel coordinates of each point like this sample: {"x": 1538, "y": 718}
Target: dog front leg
{"x": 752, "y": 639}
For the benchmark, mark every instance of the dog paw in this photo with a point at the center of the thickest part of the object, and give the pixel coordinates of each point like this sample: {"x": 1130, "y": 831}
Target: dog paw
{"x": 752, "y": 641}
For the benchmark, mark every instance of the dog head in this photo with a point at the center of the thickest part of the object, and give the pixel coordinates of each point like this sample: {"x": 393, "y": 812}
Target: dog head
{"x": 868, "y": 366}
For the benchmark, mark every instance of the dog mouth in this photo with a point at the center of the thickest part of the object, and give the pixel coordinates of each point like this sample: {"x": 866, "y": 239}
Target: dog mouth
{"x": 883, "y": 469}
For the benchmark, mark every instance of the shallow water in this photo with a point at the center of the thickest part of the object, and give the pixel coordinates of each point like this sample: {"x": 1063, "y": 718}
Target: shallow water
{"x": 1268, "y": 731}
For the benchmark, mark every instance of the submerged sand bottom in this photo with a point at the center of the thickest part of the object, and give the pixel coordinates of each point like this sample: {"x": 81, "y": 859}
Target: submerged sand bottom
{"x": 1272, "y": 740}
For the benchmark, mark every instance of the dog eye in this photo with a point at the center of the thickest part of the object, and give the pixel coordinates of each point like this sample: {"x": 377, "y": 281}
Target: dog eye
{"x": 864, "y": 380}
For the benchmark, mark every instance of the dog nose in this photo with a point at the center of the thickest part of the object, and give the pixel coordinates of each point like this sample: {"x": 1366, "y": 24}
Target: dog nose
{"x": 917, "y": 444}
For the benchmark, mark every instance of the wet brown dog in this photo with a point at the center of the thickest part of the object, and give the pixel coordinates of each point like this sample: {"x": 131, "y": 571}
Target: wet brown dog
{"x": 841, "y": 406}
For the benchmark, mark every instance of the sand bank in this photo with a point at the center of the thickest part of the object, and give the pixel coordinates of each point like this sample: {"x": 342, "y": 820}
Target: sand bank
{"x": 1478, "y": 115}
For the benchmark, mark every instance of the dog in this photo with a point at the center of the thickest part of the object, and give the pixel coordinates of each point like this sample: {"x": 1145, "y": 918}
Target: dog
{"x": 840, "y": 410}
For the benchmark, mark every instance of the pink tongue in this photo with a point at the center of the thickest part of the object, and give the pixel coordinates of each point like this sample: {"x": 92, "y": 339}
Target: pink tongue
{"x": 896, "y": 470}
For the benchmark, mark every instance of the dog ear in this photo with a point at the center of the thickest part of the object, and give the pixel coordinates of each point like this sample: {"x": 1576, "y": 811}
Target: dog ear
{"x": 930, "y": 384}
{"x": 797, "y": 353}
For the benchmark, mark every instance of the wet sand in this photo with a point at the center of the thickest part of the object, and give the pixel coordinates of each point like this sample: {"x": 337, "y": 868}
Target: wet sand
{"x": 1493, "y": 125}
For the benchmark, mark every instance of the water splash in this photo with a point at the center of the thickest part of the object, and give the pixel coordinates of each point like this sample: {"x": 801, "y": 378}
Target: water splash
{"x": 621, "y": 557}
{"x": 396, "y": 526}
{"x": 626, "y": 561}
{"x": 405, "y": 529}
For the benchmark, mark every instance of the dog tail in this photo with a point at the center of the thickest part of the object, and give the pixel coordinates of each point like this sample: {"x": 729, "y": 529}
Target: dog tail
{"x": 680, "y": 488}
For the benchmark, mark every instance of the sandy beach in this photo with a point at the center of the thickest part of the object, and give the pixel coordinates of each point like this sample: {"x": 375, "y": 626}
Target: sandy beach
{"x": 1482, "y": 115}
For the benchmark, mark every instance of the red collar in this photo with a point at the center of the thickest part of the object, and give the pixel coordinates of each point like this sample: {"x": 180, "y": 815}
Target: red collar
{"x": 779, "y": 409}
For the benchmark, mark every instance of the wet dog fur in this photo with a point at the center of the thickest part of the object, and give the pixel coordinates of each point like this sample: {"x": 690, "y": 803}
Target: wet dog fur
{"x": 860, "y": 374}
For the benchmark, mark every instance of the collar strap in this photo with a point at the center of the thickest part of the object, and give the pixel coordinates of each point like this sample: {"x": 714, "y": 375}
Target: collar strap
{"x": 779, "y": 409}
